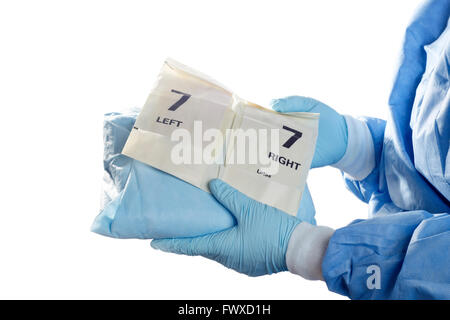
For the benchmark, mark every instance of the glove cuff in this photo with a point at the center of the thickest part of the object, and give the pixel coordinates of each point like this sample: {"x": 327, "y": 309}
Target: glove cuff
{"x": 306, "y": 249}
{"x": 359, "y": 158}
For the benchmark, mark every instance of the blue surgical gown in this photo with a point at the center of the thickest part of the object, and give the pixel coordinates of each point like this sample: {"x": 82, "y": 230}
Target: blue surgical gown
{"x": 403, "y": 250}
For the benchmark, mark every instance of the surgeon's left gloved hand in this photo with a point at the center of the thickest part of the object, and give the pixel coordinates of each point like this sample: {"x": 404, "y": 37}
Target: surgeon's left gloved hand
{"x": 344, "y": 142}
{"x": 332, "y": 139}
{"x": 256, "y": 246}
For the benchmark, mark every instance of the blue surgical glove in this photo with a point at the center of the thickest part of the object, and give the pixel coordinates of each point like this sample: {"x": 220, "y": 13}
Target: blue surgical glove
{"x": 255, "y": 246}
{"x": 332, "y": 139}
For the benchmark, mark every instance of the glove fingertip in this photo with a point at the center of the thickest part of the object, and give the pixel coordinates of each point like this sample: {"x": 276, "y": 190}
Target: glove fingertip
{"x": 157, "y": 244}
{"x": 295, "y": 104}
{"x": 228, "y": 196}
{"x": 276, "y": 104}
{"x": 220, "y": 189}
{"x": 215, "y": 185}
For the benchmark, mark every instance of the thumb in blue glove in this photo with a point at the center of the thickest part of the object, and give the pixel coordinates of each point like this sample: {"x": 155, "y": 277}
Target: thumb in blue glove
{"x": 255, "y": 246}
{"x": 332, "y": 139}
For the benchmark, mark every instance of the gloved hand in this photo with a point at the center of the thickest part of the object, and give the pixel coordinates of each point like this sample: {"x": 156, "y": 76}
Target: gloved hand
{"x": 255, "y": 246}
{"x": 332, "y": 139}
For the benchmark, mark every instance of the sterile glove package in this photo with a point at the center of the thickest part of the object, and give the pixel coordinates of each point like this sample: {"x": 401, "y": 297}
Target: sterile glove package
{"x": 197, "y": 130}
{"x": 140, "y": 201}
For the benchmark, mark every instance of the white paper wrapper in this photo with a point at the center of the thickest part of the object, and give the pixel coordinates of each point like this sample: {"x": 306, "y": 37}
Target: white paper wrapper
{"x": 183, "y": 98}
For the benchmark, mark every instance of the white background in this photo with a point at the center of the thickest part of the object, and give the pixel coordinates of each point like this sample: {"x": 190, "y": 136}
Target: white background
{"x": 65, "y": 63}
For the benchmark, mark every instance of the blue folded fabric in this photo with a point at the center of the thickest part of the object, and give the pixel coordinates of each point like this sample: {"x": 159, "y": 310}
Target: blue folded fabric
{"x": 142, "y": 202}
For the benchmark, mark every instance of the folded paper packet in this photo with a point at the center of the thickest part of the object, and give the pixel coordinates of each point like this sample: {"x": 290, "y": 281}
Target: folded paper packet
{"x": 194, "y": 128}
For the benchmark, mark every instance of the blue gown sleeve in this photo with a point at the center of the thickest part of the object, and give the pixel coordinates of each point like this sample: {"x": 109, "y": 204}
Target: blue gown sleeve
{"x": 403, "y": 253}
{"x": 398, "y": 256}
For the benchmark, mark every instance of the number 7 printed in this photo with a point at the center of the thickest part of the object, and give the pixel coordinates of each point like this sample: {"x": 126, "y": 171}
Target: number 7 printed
{"x": 297, "y": 135}
{"x": 182, "y": 100}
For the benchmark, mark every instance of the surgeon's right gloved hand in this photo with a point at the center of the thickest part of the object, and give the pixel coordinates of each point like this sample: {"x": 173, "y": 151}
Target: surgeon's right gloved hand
{"x": 343, "y": 141}
{"x": 255, "y": 246}
{"x": 265, "y": 240}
